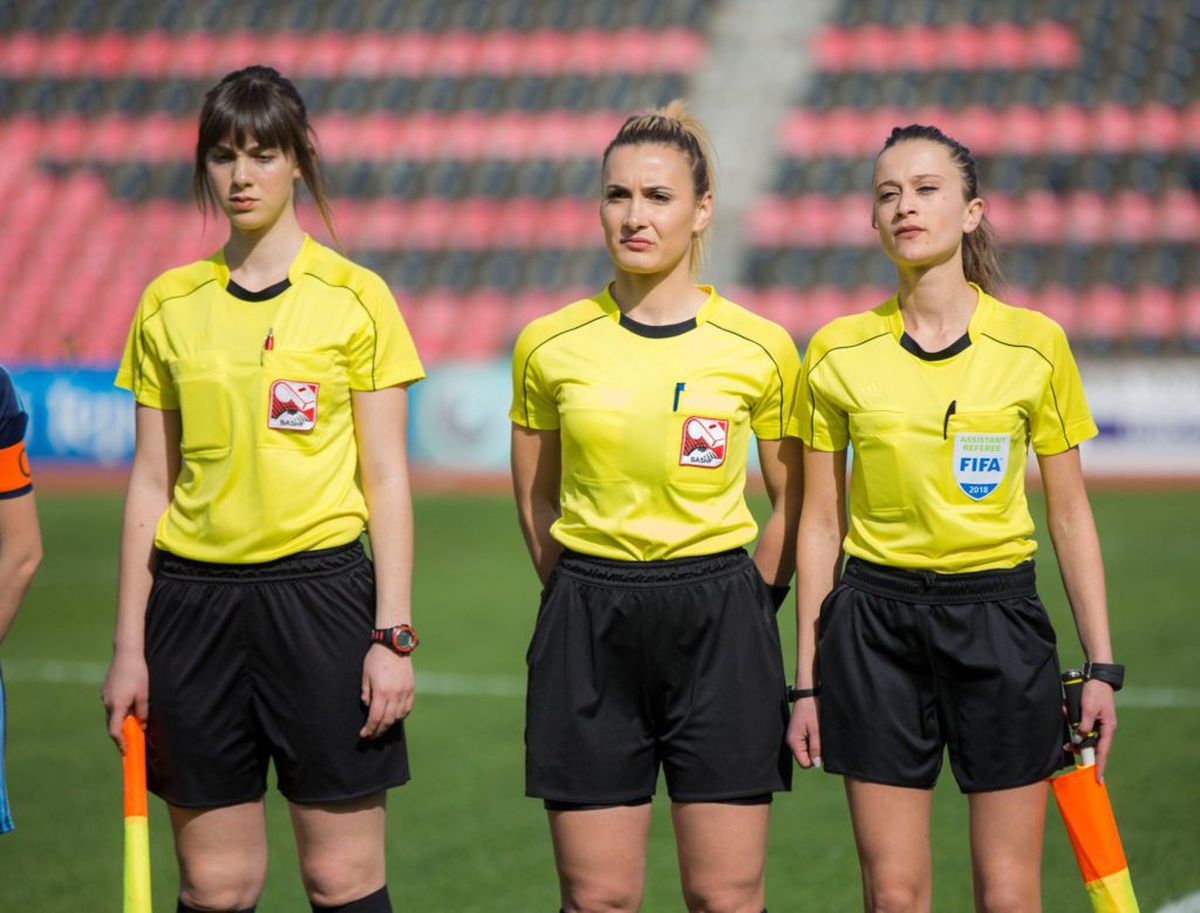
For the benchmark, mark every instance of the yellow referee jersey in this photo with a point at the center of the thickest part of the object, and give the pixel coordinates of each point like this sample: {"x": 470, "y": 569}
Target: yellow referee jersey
{"x": 940, "y": 440}
{"x": 262, "y": 383}
{"x": 655, "y": 422}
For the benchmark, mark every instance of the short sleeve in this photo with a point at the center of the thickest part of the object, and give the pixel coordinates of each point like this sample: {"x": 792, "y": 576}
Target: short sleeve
{"x": 142, "y": 370}
{"x": 1062, "y": 418}
{"x": 382, "y": 352}
{"x": 823, "y": 425}
{"x": 773, "y": 416}
{"x": 533, "y": 404}
{"x": 15, "y": 478}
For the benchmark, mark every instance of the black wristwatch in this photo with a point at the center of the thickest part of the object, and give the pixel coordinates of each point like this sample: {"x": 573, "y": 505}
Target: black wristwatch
{"x": 400, "y": 639}
{"x": 1112, "y": 674}
{"x": 795, "y": 694}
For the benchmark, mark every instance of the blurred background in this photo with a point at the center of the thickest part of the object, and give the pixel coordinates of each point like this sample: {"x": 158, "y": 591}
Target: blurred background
{"x": 461, "y": 140}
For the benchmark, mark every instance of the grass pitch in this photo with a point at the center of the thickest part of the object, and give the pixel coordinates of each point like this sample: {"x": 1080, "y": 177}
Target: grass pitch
{"x": 461, "y": 836}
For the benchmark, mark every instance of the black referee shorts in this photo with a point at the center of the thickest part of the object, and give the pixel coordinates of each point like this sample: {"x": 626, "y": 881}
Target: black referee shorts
{"x": 913, "y": 662}
{"x": 254, "y": 662}
{"x": 633, "y": 665}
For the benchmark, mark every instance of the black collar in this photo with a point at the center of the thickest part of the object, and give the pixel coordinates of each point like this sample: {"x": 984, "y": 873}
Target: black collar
{"x": 265, "y": 294}
{"x": 950, "y": 351}
{"x": 657, "y": 332}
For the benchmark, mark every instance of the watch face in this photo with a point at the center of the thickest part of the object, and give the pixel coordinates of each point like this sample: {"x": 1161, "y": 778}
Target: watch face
{"x": 403, "y": 640}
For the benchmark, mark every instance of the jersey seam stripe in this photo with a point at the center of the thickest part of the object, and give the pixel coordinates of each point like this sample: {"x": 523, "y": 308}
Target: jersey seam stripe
{"x": 1053, "y": 395}
{"x": 812, "y": 420}
{"x": 138, "y": 369}
{"x": 529, "y": 358}
{"x": 370, "y": 317}
{"x": 774, "y": 363}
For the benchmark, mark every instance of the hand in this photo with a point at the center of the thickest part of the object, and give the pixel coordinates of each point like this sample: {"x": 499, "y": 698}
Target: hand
{"x": 1097, "y": 713}
{"x": 387, "y": 690}
{"x": 126, "y": 691}
{"x": 804, "y": 734}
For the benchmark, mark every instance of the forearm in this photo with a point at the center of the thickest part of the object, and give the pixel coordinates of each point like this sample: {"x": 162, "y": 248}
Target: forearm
{"x": 390, "y": 527}
{"x": 18, "y": 563}
{"x": 145, "y": 502}
{"x": 775, "y": 554}
{"x": 1077, "y": 545}
{"x": 536, "y": 516}
{"x": 818, "y": 564}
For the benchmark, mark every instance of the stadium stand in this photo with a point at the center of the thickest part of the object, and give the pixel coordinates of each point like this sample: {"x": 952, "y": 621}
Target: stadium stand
{"x": 1085, "y": 119}
{"x": 460, "y": 140}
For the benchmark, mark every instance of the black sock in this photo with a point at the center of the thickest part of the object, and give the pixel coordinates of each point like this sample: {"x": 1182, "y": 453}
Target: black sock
{"x": 375, "y": 902}
{"x": 181, "y": 907}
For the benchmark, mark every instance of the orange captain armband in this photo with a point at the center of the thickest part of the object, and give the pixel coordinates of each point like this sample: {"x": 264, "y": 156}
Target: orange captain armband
{"x": 15, "y": 478}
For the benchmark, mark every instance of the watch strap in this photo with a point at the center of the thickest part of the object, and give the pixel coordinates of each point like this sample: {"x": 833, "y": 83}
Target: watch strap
{"x": 795, "y": 694}
{"x": 1112, "y": 674}
{"x": 388, "y": 637}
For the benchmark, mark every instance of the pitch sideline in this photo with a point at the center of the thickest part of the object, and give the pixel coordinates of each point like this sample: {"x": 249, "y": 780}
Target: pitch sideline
{"x": 78, "y": 672}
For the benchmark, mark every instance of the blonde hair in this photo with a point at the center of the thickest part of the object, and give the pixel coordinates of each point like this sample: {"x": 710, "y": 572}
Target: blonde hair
{"x": 672, "y": 125}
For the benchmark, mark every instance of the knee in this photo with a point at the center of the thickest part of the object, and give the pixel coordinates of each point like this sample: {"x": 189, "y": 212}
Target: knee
{"x": 599, "y": 896}
{"x": 332, "y": 879}
{"x": 220, "y": 884}
{"x": 745, "y": 897}
{"x": 895, "y": 897}
{"x": 1008, "y": 897}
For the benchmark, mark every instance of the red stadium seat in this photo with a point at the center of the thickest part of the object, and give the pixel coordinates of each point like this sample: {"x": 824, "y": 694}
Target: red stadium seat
{"x": 1056, "y": 302}
{"x": 1155, "y": 318}
{"x": 1103, "y": 315}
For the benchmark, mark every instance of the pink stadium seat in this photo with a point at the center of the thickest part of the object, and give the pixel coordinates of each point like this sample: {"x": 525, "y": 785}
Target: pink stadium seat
{"x": 1005, "y": 46}
{"x": 922, "y": 47}
{"x": 500, "y": 53}
{"x": 1155, "y": 317}
{"x": 963, "y": 46}
{"x": 833, "y": 49}
{"x": 1069, "y": 129}
{"x": 1116, "y": 129}
{"x": 1024, "y": 130}
{"x": 1158, "y": 127}
{"x": 1132, "y": 216}
{"x": 1087, "y": 217}
{"x": 1052, "y": 44}
{"x": 1189, "y": 315}
{"x": 1179, "y": 215}
{"x": 1103, "y": 314}
{"x": 1057, "y": 302}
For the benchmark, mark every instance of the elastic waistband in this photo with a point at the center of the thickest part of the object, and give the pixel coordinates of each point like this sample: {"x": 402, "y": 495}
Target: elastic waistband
{"x": 615, "y": 572}
{"x": 319, "y": 562}
{"x": 940, "y": 589}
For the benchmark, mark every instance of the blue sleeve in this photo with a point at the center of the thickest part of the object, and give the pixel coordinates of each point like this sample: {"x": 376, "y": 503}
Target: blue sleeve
{"x": 13, "y": 419}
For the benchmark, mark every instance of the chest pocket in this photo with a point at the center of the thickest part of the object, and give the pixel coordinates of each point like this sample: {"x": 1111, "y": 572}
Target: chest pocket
{"x": 596, "y": 431}
{"x": 703, "y": 440}
{"x": 296, "y": 399}
{"x": 986, "y": 452}
{"x": 203, "y": 405}
{"x": 878, "y": 439}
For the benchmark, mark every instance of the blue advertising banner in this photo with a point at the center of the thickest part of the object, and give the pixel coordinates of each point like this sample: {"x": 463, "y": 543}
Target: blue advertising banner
{"x": 76, "y": 415}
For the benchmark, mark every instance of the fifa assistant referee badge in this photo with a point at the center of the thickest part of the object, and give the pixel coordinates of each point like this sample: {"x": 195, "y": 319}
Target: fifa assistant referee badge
{"x": 400, "y": 639}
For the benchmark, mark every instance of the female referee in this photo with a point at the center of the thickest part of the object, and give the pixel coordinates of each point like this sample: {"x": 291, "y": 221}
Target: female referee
{"x": 271, "y": 382}
{"x": 934, "y": 636}
{"x": 656, "y": 642}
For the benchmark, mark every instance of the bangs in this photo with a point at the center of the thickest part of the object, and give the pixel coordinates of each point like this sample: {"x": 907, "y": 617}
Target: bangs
{"x": 249, "y": 113}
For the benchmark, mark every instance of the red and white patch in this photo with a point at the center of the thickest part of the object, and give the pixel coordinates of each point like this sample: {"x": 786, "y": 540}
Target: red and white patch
{"x": 703, "y": 442}
{"x": 293, "y": 405}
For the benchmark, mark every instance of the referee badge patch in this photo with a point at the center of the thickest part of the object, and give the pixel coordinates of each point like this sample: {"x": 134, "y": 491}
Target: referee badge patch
{"x": 980, "y": 461}
{"x": 293, "y": 405}
{"x": 703, "y": 442}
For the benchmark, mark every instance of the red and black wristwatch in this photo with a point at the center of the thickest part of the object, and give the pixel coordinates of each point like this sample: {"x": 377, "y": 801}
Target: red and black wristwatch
{"x": 400, "y": 639}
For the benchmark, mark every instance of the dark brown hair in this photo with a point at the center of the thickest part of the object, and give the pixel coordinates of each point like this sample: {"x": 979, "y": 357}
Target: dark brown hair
{"x": 981, "y": 262}
{"x": 259, "y": 103}
{"x": 673, "y": 126}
